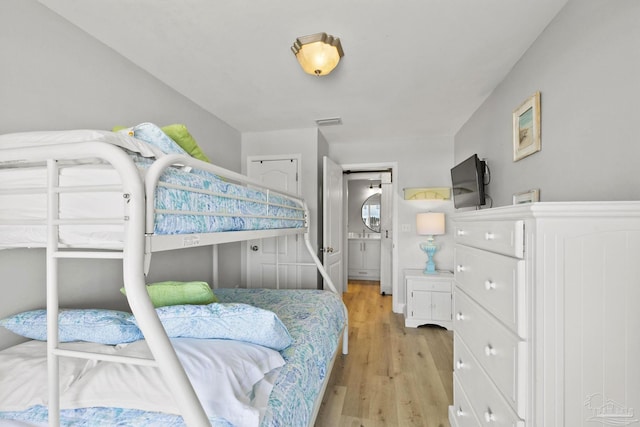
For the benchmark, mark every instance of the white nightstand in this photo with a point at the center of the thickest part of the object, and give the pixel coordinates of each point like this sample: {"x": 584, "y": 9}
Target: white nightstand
{"x": 428, "y": 298}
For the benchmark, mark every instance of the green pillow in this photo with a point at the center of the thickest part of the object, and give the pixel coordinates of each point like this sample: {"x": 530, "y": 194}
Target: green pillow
{"x": 179, "y": 293}
{"x": 181, "y": 135}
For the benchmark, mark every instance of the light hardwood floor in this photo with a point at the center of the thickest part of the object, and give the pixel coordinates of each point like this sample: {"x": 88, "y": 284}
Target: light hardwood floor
{"x": 392, "y": 376}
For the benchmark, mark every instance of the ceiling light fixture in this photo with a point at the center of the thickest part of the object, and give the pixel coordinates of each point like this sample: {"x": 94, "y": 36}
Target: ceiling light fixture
{"x": 318, "y": 54}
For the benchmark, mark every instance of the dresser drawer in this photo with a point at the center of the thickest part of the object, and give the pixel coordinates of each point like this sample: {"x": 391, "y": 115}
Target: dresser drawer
{"x": 499, "y": 351}
{"x": 461, "y": 413}
{"x": 504, "y": 237}
{"x": 489, "y": 406}
{"x": 496, "y": 282}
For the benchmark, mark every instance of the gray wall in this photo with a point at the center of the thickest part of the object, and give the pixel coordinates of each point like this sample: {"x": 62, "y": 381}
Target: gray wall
{"x": 586, "y": 64}
{"x": 54, "y": 76}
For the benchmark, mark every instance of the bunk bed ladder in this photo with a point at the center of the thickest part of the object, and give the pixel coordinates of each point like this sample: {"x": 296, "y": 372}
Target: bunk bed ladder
{"x": 132, "y": 255}
{"x": 53, "y": 255}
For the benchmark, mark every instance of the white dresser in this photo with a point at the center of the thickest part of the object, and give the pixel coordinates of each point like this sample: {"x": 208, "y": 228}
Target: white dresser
{"x": 546, "y": 325}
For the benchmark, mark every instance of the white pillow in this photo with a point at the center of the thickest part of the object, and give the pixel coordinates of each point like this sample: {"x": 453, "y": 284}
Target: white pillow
{"x": 222, "y": 373}
{"x": 23, "y": 372}
{"x": 29, "y": 139}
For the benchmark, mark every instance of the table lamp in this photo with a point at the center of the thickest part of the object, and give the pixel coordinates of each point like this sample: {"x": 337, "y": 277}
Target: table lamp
{"x": 430, "y": 224}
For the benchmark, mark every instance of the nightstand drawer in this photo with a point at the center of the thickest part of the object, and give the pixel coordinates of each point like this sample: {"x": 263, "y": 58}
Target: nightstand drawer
{"x": 500, "y": 352}
{"x": 487, "y": 402}
{"x": 496, "y": 282}
{"x": 430, "y": 285}
{"x": 504, "y": 237}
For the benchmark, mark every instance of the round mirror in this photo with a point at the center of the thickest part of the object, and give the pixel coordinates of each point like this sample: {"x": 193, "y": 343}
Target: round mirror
{"x": 371, "y": 212}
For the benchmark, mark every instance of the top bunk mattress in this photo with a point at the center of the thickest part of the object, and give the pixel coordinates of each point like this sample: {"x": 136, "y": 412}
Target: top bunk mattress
{"x": 187, "y": 201}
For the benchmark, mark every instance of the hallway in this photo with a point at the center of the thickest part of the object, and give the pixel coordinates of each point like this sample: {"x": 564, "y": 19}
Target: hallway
{"x": 392, "y": 376}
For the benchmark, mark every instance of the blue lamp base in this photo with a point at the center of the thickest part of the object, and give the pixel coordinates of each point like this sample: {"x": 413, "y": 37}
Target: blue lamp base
{"x": 430, "y": 249}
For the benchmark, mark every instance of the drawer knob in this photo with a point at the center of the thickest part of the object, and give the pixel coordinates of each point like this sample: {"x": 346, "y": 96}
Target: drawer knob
{"x": 489, "y": 350}
{"x": 488, "y": 416}
{"x": 459, "y": 364}
{"x": 460, "y": 316}
{"x": 460, "y": 232}
{"x": 459, "y": 411}
{"x": 489, "y": 236}
{"x": 489, "y": 285}
{"x": 460, "y": 268}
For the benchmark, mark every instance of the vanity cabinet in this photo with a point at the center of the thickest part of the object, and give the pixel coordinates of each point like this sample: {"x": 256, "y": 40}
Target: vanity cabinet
{"x": 545, "y": 317}
{"x": 428, "y": 298}
{"x": 364, "y": 259}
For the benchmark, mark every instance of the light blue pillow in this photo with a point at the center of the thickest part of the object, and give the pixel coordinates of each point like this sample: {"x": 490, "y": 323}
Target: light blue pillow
{"x": 233, "y": 321}
{"x": 153, "y": 135}
{"x": 91, "y": 325}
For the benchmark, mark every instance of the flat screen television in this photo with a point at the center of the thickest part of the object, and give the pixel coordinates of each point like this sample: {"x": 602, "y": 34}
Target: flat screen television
{"x": 467, "y": 180}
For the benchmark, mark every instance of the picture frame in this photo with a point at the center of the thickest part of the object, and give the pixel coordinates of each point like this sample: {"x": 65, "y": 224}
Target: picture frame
{"x": 526, "y": 128}
{"x": 529, "y": 196}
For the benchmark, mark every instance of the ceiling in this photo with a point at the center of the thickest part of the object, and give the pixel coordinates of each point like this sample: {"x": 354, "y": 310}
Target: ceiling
{"x": 412, "y": 68}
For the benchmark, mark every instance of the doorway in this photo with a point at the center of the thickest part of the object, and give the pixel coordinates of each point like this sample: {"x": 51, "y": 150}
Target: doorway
{"x": 369, "y": 223}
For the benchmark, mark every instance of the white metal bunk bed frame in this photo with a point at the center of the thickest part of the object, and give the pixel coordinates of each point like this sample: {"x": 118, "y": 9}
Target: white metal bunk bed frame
{"x": 138, "y": 245}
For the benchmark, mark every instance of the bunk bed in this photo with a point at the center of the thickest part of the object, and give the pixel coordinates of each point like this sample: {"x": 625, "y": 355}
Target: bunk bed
{"x": 90, "y": 194}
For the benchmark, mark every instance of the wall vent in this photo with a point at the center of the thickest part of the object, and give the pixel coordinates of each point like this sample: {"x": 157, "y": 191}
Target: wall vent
{"x": 334, "y": 121}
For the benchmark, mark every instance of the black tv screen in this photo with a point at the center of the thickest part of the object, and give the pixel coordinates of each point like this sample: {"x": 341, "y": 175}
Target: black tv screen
{"x": 467, "y": 180}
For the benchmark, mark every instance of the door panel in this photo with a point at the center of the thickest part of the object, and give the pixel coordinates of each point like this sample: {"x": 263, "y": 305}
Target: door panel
{"x": 386, "y": 235}
{"x": 332, "y": 227}
{"x": 264, "y": 254}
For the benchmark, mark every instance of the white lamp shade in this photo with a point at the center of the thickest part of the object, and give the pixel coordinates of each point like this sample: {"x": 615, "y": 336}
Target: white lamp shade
{"x": 430, "y": 223}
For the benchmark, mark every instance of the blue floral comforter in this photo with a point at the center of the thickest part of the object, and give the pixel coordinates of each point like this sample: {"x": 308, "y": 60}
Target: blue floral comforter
{"x": 225, "y": 206}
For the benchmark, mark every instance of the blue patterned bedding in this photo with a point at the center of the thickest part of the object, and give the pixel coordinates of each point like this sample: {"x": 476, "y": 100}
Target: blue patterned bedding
{"x": 246, "y": 209}
{"x": 314, "y": 319}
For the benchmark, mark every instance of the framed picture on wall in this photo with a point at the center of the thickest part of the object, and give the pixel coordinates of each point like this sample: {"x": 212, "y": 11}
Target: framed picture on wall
{"x": 526, "y": 128}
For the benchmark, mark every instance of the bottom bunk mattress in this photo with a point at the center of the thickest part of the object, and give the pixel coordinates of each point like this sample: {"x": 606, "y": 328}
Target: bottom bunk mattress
{"x": 314, "y": 320}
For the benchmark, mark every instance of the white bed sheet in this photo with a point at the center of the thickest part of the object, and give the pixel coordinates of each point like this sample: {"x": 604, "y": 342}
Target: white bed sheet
{"x": 72, "y": 205}
{"x": 232, "y": 379}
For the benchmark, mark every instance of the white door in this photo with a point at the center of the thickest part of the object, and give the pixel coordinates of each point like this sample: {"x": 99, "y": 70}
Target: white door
{"x": 386, "y": 234}
{"x": 265, "y": 255}
{"x": 332, "y": 227}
